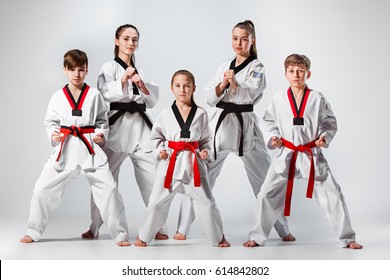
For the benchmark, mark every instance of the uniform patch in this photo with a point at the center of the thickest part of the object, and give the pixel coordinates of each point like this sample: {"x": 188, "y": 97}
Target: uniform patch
{"x": 257, "y": 75}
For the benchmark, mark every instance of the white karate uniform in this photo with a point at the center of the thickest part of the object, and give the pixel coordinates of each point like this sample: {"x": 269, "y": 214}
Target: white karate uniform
{"x": 166, "y": 128}
{"x": 251, "y": 84}
{"x": 129, "y": 136}
{"x": 319, "y": 120}
{"x": 75, "y": 158}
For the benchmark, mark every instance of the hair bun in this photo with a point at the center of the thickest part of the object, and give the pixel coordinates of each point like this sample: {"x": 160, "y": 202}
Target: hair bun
{"x": 249, "y": 22}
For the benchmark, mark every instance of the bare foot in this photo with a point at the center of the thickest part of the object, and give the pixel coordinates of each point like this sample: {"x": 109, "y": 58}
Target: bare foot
{"x": 354, "y": 245}
{"x": 224, "y": 243}
{"x": 124, "y": 243}
{"x": 139, "y": 243}
{"x": 26, "y": 239}
{"x": 289, "y": 237}
{"x": 250, "y": 244}
{"x": 161, "y": 236}
{"x": 179, "y": 236}
{"x": 88, "y": 235}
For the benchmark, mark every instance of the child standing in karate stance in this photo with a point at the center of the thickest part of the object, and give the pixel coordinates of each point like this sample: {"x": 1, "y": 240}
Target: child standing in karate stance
{"x": 299, "y": 123}
{"x": 128, "y": 92}
{"x": 235, "y": 88}
{"x": 77, "y": 125}
{"x": 180, "y": 139}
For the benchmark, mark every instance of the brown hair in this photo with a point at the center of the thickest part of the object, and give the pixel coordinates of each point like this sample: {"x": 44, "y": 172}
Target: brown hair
{"x": 189, "y": 75}
{"x": 75, "y": 58}
{"x": 250, "y": 28}
{"x": 118, "y": 33}
{"x": 297, "y": 59}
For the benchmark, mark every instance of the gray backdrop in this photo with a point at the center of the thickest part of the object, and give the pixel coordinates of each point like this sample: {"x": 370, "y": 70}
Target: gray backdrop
{"x": 347, "y": 42}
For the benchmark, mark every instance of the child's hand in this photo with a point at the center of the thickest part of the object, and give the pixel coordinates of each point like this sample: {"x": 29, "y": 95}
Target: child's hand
{"x": 229, "y": 75}
{"x": 137, "y": 80}
{"x": 56, "y": 136}
{"x": 163, "y": 155}
{"x": 321, "y": 142}
{"x": 203, "y": 154}
{"x": 276, "y": 142}
{"x": 128, "y": 74}
{"x": 99, "y": 139}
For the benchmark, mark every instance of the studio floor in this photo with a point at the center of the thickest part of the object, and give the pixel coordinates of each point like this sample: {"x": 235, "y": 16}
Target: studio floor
{"x": 62, "y": 241}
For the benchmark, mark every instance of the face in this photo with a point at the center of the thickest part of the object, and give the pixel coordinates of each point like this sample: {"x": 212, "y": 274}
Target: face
{"x": 76, "y": 75}
{"x": 183, "y": 88}
{"x": 128, "y": 41}
{"x": 296, "y": 75}
{"x": 241, "y": 41}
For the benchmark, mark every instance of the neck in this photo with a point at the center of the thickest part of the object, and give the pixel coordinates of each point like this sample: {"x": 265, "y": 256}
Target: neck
{"x": 241, "y": 58}
{"x": 183, "y": 105}
{"x": 298, "y": 91}
{"x": 126, "y": 58}
{"x": 75, "y": 88}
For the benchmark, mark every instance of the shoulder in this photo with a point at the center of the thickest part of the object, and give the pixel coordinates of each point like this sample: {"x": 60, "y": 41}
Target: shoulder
{"x": 164, "y": 113}
{"x": 201, "y": 111}
{"x": 256, "y": 63}
{"x": 111, "y": 65}
{"x": 317, "y": 94}
{"x": 58, "y": 92}
{"x": 279, "y": 95}
{"x": 225, "y": 64}
{"x": 93, "y": 91}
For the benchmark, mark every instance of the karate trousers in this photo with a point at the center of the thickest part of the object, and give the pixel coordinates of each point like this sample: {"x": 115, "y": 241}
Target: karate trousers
{"x": 49, "y": 189}
{"x": 205, "y": 207}
{"x": 144, "y": 170}
{"x": 271, "y": 199}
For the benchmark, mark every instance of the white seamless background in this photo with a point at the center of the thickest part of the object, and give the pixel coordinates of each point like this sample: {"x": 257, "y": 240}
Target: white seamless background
{"x": 347, "y": 42}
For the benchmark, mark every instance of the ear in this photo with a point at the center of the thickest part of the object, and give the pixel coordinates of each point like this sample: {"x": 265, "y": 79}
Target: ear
{"x": 116, "y": 42}
{"x": 171, "y": 88}
{"x": 194, "y": 88}
{"x": 64, "y": 69}
{"x": 308, "y": 74}
{"x": 86, "y": 71}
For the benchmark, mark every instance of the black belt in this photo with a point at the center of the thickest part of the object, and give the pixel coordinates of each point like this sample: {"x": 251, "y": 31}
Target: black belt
{"x": 131, "y": 107}
{"x": 237, "y": 109}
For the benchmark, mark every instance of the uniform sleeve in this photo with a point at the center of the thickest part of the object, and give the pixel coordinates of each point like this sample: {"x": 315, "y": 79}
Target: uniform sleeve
{"x": 52, "y": 120}
{"x": 271, "y": 128}
{"x": 327, "y": 122}
{"x": 152, "y": 98}
{"x": 254, "y": 84}
{"x": 204, "y": 141}
{"x": 101, "y": 122}
{"x": 212, "y": 98}
{"x": 111, "y": 87}
{"x": 157, "y": 138}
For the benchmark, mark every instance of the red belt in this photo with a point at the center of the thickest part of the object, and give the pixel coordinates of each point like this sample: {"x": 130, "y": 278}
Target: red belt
{"x": 291, "y": 173}
{"x": 180, "y": 146}
{"x": 79, "y": 132}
